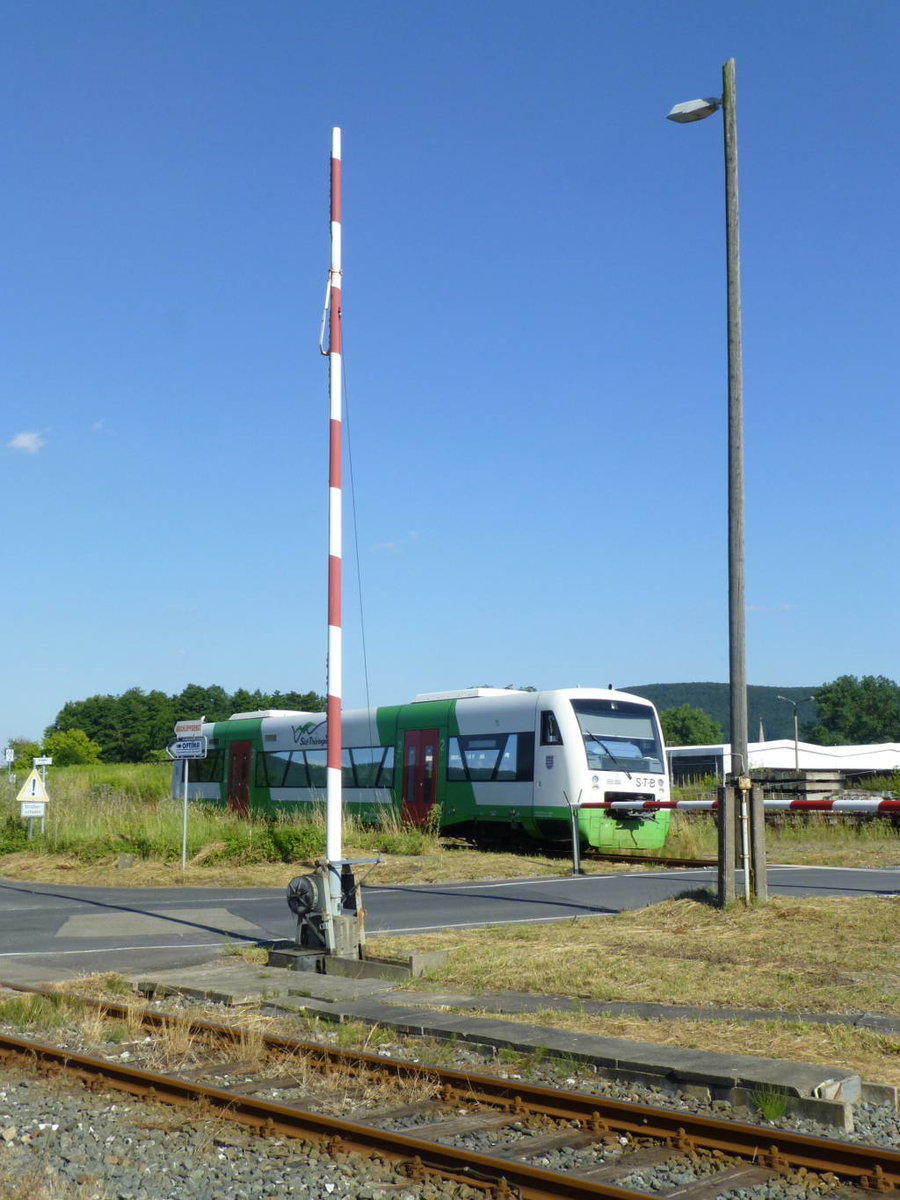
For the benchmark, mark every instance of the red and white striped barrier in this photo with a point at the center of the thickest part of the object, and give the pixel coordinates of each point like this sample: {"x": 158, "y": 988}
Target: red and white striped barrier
{"x": 843, "y": 804}
{"x": 333, "y": 849}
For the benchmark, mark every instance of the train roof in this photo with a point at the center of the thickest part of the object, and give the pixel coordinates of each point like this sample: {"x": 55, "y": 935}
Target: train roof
{"x": 474, "y": 693}
{"x": 268, "y": 712}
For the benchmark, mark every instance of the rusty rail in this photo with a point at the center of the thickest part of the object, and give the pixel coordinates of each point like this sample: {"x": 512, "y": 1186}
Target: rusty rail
{"x": 870, "y": 1167}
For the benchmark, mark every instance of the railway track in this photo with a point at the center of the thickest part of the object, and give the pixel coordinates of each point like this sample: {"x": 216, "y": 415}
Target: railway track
{"x": 501, "y": 1136}
{"x": 656, "y": 859}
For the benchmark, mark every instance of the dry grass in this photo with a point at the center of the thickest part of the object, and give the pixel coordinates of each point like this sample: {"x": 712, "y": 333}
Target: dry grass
{"x": 815, "y": 955}
{"x": 450, "y": 865}
{"x": 171, "y": 1049}
{"x": 810, "y": 955}
{"x": 816, "y": 839}
{"x": 46, "y": 1184}
{"x": 824, "y": 839}
{"x": 875, "y": 1056}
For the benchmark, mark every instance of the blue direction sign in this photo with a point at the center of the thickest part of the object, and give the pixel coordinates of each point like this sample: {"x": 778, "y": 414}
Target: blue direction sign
{"x": 194, "y": 747}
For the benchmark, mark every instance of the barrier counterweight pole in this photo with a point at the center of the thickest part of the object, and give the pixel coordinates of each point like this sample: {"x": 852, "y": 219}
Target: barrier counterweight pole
{"x": 333, "y": 848}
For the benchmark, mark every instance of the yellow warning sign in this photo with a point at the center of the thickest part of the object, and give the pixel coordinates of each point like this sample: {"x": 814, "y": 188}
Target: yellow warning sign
{"x": 33, "y": 788}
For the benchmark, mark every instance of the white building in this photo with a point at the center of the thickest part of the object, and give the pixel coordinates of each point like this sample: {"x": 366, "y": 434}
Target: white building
{"x": 785, "y": 755}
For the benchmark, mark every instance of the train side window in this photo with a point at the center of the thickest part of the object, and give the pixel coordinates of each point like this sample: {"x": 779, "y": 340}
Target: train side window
{"x": 348, "y": 779}
{"x": 316, "y": 764}
{"x": 386, "y": 774}
{"x": 369, "y": 764}
{"x": 270, "y": 768}
{"x": 499, "y": 758}
{"x": 550, "y": 735}
{"x": 456, "y": 771}
{"x": 295, "y": 775}
{"x": 482, "y": 756}
{"x": 207, "y": 770}
{"x": 506, "y": 768}
{"x": 525, "y": 761}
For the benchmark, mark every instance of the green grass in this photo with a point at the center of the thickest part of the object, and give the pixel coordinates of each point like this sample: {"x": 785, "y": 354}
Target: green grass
{"x": 790, "y": 836}
{"x": 771, "y": 1102}
{"x": 99, "y": 812}
{"x": 144, "y": 781}
{"x": 880, "y": 783}
{"x": 27, "y": 1012}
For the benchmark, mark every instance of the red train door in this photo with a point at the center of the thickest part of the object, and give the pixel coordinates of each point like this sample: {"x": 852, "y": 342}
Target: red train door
{"x": 239, "y": 778}
{"x": 420, "y": 758}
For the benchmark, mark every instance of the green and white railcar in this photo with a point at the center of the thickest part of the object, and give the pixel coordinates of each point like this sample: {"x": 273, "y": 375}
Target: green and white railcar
{"x": 482, "y": 761}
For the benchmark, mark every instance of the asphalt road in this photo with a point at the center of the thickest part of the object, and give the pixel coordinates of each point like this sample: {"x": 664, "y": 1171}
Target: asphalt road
{"x": 56, "y": 932}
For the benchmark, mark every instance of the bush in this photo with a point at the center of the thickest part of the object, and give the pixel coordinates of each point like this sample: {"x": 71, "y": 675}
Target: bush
{"x": 294, "y": 842}
{"x": 13, "y": 835}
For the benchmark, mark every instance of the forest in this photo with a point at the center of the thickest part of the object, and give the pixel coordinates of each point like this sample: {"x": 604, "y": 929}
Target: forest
{"x": 136, "y": 726}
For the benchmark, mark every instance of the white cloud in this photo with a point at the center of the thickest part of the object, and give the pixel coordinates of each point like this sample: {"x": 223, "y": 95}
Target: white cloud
{"x": 28, "y": 443}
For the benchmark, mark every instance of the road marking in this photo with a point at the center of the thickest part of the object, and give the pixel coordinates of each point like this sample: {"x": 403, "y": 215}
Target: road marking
{"x": 823, "y": 867}
{"x": 469, "y": 887}
{"x": 570, "y": 917}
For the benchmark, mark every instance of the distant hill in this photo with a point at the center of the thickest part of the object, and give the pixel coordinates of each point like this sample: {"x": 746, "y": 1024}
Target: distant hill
{"x": 762, "y": 705}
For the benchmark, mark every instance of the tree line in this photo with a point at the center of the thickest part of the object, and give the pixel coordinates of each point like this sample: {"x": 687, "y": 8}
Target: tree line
{"x": 136, "y": 726}
{"x": 848, "y": 711}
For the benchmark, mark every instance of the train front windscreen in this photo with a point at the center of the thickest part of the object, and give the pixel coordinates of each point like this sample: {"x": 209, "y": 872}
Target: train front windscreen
{"x": 619, "y": 736}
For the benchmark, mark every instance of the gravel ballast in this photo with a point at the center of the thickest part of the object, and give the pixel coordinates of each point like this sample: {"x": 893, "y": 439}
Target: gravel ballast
{"x": 83, "y": 1145}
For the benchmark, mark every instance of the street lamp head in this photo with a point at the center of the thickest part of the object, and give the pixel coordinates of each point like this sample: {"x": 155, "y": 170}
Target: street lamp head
{"x": 693, "y": 110}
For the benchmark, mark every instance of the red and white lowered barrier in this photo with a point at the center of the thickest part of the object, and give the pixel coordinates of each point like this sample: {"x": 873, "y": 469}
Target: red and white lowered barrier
{"x": 840, "y": 803}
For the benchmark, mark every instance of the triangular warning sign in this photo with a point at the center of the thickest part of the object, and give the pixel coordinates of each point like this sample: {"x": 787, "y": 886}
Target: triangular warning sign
{"x": 33, "y": 788}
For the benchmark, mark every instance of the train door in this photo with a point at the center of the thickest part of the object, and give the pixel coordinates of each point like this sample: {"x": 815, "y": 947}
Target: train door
{"x": 420, "y": 761}
{"x": 239, "y": 778}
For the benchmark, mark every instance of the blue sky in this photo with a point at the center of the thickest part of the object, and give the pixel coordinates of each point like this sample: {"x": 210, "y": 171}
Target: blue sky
{"x": 534, "y": 328}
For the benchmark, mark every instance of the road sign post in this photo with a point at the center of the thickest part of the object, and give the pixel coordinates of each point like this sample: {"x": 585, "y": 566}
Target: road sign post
{"x": 33, "y": 800}
{"x": 43, "y": 763}
{"x": 190, "y": 744}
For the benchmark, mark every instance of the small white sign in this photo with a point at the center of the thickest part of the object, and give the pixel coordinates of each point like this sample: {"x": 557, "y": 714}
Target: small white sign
{"x": 10, "y": 754}
{"x": 42, "y": 762}
{"x": 189, "y": 729}
{"x": 189, "y": 748}
{"x": 33, "y": 808}
{"x": 33, "y": 789}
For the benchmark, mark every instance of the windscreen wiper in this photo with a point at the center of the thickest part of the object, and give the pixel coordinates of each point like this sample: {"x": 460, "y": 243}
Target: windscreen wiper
{"x": 618, "y": 761}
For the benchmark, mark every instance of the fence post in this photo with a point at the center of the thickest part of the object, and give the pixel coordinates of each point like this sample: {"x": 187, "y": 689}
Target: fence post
{"x": 760, "y": 882}
{"x": 727, "y": 844}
